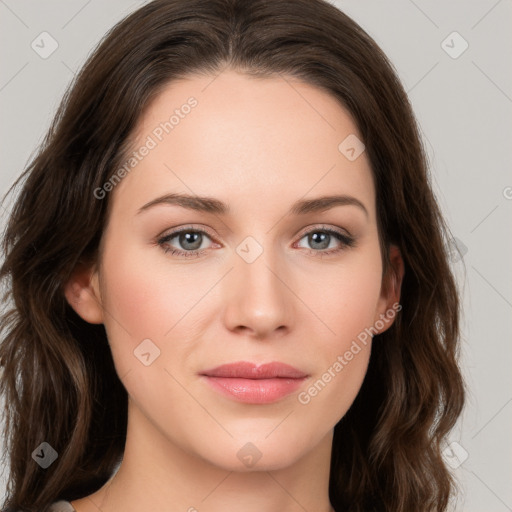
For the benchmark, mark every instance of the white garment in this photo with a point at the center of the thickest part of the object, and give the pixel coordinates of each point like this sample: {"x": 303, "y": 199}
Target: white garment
{"x": 61, "y": 506}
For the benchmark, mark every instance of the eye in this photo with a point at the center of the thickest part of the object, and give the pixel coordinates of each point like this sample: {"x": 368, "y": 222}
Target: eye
{"x": 190, "y": 242}
{"x": 324, "y": 241}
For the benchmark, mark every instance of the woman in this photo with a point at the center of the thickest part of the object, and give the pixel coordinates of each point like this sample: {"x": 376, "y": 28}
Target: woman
{"x": 228, "y": 276}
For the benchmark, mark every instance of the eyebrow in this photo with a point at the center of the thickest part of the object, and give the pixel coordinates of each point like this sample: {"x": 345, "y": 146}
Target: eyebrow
{"x": 212, "y": 205}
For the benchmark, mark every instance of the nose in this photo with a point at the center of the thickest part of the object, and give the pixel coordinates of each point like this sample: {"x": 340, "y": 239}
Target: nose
{"x": 259, "y": 301}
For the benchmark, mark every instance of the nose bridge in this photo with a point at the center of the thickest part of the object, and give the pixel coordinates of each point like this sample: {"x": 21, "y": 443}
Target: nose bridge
{"x": 259, "y": 300}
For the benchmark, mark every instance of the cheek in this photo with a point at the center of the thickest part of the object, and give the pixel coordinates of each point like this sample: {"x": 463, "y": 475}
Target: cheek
{"x": 346, "y": 298}
{"x": 146, "y": 298}
{"x": 346, "y": 304}
{"x": 141, "y": 293}
{"x": 134, "y": 304}
{"x": 342, "y": 355}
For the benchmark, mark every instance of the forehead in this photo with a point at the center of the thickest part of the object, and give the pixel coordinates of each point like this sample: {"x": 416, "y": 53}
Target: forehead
{"x": 241, "y": 139}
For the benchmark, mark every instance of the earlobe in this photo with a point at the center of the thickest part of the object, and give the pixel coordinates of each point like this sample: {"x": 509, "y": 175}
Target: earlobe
{"x": 389, "y": 303}
{"x": 83, "y": 294}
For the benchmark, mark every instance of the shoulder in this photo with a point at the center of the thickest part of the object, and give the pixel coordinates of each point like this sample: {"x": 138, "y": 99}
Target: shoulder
{"x": 61, "y": 506}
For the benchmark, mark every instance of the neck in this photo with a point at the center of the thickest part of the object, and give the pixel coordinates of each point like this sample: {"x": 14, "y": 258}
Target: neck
{"x": 156, "y": 474}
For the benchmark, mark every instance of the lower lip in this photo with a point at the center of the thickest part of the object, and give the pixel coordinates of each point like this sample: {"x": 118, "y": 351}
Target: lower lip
{"x": 255, "y": 391}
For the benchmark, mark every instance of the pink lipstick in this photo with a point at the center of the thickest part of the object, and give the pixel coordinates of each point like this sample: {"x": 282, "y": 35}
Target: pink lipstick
{"x": 249, "y": 383}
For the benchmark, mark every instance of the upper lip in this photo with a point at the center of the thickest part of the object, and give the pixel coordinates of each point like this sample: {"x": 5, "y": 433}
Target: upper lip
{"x": 248, "y": 370}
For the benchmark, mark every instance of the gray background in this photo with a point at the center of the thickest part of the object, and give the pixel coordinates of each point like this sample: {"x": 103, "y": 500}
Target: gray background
{"x": 464, "y": 108}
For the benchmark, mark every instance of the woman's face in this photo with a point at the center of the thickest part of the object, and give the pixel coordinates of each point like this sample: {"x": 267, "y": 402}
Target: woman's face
{"x": 279, "y": 277}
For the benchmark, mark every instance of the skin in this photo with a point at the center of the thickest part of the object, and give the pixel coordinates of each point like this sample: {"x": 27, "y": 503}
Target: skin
{"x": 258, "y": 145}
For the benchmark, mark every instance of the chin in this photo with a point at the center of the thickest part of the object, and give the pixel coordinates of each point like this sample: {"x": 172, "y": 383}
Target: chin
{"x": 259, "y": 454}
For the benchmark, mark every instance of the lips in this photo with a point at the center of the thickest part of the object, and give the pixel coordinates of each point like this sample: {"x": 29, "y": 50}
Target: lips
{"x": 246, "y": 370}
{"x": 249, "y": 383}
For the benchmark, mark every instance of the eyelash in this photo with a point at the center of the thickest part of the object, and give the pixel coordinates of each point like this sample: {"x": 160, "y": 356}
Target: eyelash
{"x": 347, "y": 241}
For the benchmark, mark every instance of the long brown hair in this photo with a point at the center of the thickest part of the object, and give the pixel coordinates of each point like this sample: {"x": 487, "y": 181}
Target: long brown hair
{"x": 59, "y": 382}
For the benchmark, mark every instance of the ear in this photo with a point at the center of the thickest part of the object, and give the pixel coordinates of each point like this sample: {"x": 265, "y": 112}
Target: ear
{"x": 83, "y": 294}
{"x": 389, "y": 300}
